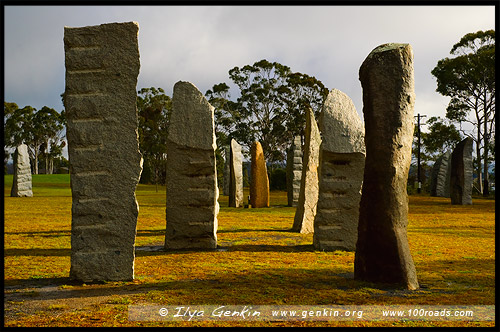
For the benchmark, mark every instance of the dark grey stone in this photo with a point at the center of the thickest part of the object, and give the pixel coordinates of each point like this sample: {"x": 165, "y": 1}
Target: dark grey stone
{"x": 382, "y": 250}
{"x": 102, "y": 65}
{"x": 461, "y": 173}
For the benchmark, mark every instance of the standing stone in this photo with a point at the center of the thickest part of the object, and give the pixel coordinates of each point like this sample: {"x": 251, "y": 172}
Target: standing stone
{"x": 102, "y": 65}
{"x": 294, "y": 171}
{"x": 382, "y": 251}
{"x": 227, "y": 172}
{"x": 342, "y": 160}
{"x": 461, "y": 173}
{"x": 308, "y": 196}
{"x": 259, "y": 185}
{"x": 21, "y": 183}
{"x": 236, "y": 175}
{"x": 192, "y": 192}
{"x": 440, "y": 176}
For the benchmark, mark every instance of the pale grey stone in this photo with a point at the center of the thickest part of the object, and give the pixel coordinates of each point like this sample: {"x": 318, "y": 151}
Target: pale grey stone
{"x": 343, "y": 130}
{"x": 461, "y": 173}
{"x": 382, "y": 250}
{"x": 294, "y": 171}
{"x": 309, "y": 186}
{"x": 21, "y": 183}
{"x": 227, "y": 172}
{"x": 342, "y": 159}
{"x": 102, "y": 65}
{"x": 192, "y": 192}
{"x": 236, "y": 175}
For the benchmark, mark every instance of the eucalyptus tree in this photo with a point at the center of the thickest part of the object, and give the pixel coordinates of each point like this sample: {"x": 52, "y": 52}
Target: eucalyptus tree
{"x": 469, "y": 79}
{"x": 270, "y": 108}
{"x": 39, "y": 130}
{"x": 154, "y": 108}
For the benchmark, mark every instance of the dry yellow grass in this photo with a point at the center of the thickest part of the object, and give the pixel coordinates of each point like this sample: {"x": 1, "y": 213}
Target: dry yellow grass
{"x": 259, "y": 262}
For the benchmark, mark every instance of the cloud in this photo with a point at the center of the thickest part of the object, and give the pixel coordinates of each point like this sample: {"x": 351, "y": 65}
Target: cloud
{"x": 202, "y": 43}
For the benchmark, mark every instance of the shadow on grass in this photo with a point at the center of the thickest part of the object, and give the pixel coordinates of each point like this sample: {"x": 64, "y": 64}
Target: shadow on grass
{"x": 268, "y": 247}
{"x": 315, "y": 286}
{"x": 37, "y": 252}
{"x": 159, "y": 250}
{"x": 42, "y": 233}
{"x": 264, "y": 286}
{"x": 245, "y": 230}
{"x": 151, "y": 232}
{"x": 142, "y": 251}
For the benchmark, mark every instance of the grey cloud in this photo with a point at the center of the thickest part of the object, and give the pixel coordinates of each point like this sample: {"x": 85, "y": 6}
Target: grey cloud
{"x": 200, "y": 44}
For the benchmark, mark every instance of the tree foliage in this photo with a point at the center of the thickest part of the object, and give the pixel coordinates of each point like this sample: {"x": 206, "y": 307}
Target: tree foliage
{"x": 41, "y": 131}
{"x": 441, "y": 137}
{"x": 154, "y": 109}
{"x": 270, "y": 108}
{"x": 469, "y": 79}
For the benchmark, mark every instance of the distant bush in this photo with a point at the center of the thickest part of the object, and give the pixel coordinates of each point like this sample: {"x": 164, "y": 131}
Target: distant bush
{"x": 277, "y": 179}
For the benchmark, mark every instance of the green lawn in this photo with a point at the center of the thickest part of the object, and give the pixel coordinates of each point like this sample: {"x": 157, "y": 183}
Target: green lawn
{"x": 259, "y": 261}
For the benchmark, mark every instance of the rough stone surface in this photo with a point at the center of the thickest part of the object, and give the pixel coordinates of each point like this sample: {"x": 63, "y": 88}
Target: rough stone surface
{"x": 461, "y": 173}
{"x": 21, "y": 183}
{"x": 309, "y": 188}
{"x": 342, "y": 158}
{"x": 227, "y": 172}
{"x": 259, "y": 183}
{"x": 294, "y": 171}
{"x": 192, "y": 192}
{"x": 440, "y": 176}
{"x": 236, "y": 175}
{"x": 382, "y": 250}
{"x": 102, "y": 65}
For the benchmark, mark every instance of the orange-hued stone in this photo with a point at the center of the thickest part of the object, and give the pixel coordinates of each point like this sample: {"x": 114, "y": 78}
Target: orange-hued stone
{"x": 259, "y": 185}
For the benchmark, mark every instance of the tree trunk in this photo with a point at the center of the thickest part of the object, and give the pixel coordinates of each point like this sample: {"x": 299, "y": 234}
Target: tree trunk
{"x": 35, "y": 166}
{"x": 486, "y": 189}
{"x": 156, "y": 178}
{"x": 51, "y": 166}
{"x": 47, "y": 157}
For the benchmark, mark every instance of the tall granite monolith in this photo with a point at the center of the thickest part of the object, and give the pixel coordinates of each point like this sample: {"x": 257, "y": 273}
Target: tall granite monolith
{"x": 192, "y": 192}
{"x": 102, "y": 65}
{"x": 236, "y": 175}
{"x": 309, "y": 187}
{"x": 294, "y": 171}
{"x": 382, "y": 250}
{"x": 227, "y": 171}
{"x": 259, "y": 182}
{"x": 461, "y": 173}
{"x": 440, "y": 176}
{"x": 21, "y": 182}
{"x": 342, "y": 161}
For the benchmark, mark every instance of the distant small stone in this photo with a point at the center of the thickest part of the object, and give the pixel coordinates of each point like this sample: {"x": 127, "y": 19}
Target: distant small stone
{"x": 236, "y": 175}
{"x": 21, "y": 183}
{"x": 461, "y": 173}
{"x": 440, "y": 176}
{"x": 294, "y": 171}
{"x": 309, "y": 186}
{"x": 259, "y": 184}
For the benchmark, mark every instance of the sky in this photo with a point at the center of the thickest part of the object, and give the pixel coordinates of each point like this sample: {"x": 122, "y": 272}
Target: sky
{"x": 200, "y": 44}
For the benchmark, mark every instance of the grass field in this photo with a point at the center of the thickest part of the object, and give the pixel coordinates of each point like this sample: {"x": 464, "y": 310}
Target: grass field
{"x": 259, "y": 262}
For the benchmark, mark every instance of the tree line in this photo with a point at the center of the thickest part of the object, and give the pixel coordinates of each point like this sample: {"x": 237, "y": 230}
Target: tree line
{"x": 42, "y": 132}
{"x": 270, "y": 107}
{"x": 468, "y": 79}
